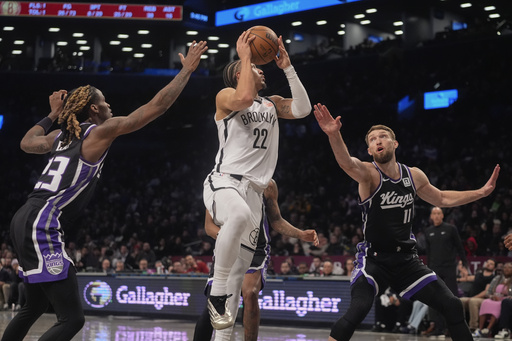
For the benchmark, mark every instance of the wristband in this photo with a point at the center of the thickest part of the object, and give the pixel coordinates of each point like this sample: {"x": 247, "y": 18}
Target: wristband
{"x": 46, "y": 123}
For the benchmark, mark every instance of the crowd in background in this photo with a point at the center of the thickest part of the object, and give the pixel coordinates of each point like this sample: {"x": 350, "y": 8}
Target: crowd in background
{"x": 149, "y": 205}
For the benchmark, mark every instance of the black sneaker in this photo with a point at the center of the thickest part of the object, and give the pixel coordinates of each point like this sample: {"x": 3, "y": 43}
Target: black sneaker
{"x": 378, "y": 327}
{"x": 220, "y": 316}
{"x": 396, "y": 329}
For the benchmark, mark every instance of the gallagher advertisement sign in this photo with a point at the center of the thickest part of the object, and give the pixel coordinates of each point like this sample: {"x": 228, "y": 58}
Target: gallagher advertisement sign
{"x": 283, "y": 300}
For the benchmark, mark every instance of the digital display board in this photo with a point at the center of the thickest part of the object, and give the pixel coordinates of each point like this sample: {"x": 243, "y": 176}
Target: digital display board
{"x": 90, "y": 10}
{"x": 440, "y": 99}
{"x": 270, "y": 9}
{"x": 299, "y": 300}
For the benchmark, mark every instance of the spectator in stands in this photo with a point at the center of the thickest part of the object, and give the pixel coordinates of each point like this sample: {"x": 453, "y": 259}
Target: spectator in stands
{"x": 348, "y": 267}
{"x": 286, "y": 269}
{"x": 390, "y": 315}
{"x": 328, "y": 269}
{"x": 419, "y": 310}
{"x": 500, "y": 287}
{"x": 106, "y": 267}
{"x": 119, "y": 267}
{"x": 160, "y": 268}
{"x": 123, "y": 254}
{"x": 302, "y": 269}
{"x": 143, "y": 266}
{"x": 463, "y": 284}
{"x": 476, "y": 295}
{"x": 316, "y": 266}
{"x": 291, "y": 261}
{"x": 196, "y": 266}
{"x": 6, "y": 272}
{"x": 334, "y": 248}
{"x": 148, "y": 254}
{"x": 17, "y": 297}
{"x": 505, "y": 320}
{"x": 177, "y": 268}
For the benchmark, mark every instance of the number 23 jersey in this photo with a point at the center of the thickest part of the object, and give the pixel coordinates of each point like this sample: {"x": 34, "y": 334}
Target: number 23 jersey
{"x": 249, "y": 142}
{"x": 68, "y": 181}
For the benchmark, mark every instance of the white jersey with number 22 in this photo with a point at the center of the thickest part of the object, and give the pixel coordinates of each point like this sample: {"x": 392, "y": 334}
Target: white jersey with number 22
{"x": 249, "y": 141}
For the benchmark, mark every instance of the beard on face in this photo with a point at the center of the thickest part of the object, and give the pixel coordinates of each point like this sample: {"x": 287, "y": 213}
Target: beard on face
{"x": 383, "y": 157}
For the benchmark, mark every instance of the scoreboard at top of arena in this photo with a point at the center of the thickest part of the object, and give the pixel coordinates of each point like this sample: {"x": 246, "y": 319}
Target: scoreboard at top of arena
{"x": 90, "y": 10}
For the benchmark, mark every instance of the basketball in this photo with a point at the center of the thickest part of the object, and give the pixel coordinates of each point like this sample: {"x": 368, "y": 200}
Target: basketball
{"x": 265, "y": 47}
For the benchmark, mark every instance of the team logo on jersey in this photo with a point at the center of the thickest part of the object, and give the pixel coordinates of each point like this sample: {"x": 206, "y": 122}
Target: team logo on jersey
{"x": 393, "y": 200}
{"x": 407, "y": 182}
{"x": 54, "y": 263}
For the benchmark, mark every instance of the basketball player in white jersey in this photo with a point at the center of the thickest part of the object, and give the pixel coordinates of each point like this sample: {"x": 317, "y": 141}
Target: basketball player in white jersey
{"x": 248, "y": 133}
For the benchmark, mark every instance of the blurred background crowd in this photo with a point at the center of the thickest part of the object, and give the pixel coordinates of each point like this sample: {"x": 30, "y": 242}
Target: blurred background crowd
{"x": 149, "y": 205}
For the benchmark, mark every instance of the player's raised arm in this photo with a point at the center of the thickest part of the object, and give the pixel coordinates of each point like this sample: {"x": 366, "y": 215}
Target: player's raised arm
{"x": 354, "y": 167}
{"x": 299, "y": 105}
{"x": 102, "y": 137}
{"x": 450, "y": 198}
{"x": 241, "y": 75}
{"x": 37, "y": 140}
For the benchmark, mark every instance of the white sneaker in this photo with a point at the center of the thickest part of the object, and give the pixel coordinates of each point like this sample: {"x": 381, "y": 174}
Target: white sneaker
{"x": 503, "y": 334}
{"x": 220, "y": 316}
{"x": 485, "y": 331}
{"x": 477, "y": 333}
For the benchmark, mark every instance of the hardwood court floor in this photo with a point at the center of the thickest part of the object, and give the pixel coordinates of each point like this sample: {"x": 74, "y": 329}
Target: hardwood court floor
{"x": 116, "y": 328}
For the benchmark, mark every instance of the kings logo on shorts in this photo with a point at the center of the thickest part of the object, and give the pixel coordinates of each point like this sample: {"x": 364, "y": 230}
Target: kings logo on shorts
{"x": 54, "y": 263}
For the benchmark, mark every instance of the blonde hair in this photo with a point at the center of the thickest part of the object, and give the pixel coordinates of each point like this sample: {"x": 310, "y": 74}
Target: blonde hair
{"x": 76, "y": 110}
{"x": 380, "y": 127}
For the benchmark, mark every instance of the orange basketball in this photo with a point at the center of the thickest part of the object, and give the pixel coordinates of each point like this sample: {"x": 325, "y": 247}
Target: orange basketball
{"x": 265, "y": 47}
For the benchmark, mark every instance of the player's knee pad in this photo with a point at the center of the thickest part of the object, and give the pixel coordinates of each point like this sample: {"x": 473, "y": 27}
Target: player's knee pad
{"x": 342, "y": 329}
{"x": 362, "y": 297}
{"x": 453, "y": 310}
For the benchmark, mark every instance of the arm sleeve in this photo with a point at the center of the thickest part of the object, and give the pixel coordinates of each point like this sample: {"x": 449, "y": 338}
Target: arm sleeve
{"x": 301, "y": 107}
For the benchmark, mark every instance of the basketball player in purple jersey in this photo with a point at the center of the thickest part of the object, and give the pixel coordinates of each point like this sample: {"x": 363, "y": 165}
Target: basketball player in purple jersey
{"x": 77, "y": 152}
{"x": 387, "y": 256}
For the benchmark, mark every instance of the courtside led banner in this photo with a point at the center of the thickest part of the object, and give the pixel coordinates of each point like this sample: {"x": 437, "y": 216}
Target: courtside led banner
{"x": 296, "y": 300}
{"x": 271, "y": 9}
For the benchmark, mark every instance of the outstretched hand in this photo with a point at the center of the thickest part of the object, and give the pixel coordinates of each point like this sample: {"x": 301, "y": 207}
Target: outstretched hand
{"x": 310, "y": 236}
{"x": 191, "y": 61}
{"x": 325, "y": 120}
{"x": 491, "y": 183}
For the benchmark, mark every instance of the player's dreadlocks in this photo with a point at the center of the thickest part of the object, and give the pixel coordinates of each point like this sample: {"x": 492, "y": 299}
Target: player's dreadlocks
{"x": 229, "y": 74}
{"x": 76, "y": 110}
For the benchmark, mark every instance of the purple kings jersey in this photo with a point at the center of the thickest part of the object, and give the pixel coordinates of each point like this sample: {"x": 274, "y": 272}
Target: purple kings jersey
{"x": 63, "y": 190}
